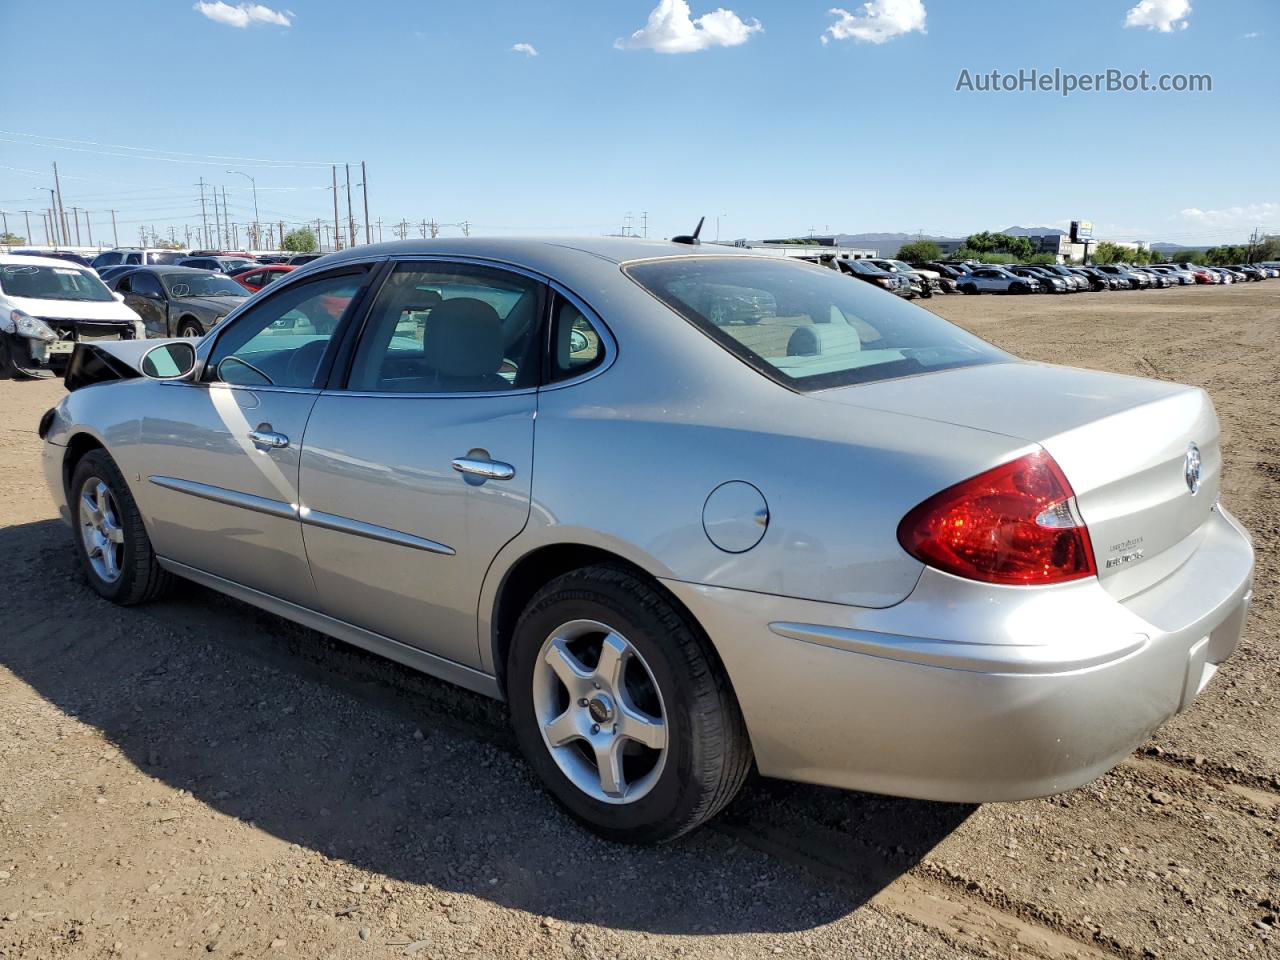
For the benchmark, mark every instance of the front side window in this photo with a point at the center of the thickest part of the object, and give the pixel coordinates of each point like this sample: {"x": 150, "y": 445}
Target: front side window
{"x": 133, "y": 258}
{"x": 163, "y": 257}
{"x": 282, "y": 341}
{"x": 445, "y": 328}
{"x": 107, "y": 259}
{"x": 51, "y": 283}
{"x": 805, "y": 327}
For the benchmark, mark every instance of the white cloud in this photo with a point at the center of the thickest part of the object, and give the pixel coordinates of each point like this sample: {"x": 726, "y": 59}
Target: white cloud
{"x": 1265, "y": 215}
{"x": 672, "y": 29}
{"x": 527, "y": 49}
{"x": 1252, "y": 36}
{"x": 1163, "y": 15}
{"x": 877, "y": 21}
{"x": 243, "y": 14}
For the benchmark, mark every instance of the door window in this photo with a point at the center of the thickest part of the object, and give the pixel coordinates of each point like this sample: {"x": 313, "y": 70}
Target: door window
{"x": 133, "y": 258}
{"x": 445, "y": 328}
{"x": 146, "y": 285}
{"x": 576, "y": 343}
{"x": 282, "y": 341}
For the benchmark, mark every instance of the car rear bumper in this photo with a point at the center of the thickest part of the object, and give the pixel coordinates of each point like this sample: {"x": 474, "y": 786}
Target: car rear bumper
{"x": 1034, "y": 691}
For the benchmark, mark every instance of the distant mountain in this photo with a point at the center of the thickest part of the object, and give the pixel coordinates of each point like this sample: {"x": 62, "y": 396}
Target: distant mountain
{"x": 886, "y": 243}
{"x": 1175, "y": 247}
{"x": 1033, "y": 232}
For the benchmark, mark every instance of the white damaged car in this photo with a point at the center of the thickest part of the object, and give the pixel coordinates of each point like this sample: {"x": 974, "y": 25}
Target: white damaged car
{"x": 47, "y": 306}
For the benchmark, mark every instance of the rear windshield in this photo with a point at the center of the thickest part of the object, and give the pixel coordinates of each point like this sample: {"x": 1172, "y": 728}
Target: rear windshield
{"x": 166, "y": 258}
{"x": 808, "y": 327}
{"x": 202, "y": 285}
{"x": 52, "y": 283}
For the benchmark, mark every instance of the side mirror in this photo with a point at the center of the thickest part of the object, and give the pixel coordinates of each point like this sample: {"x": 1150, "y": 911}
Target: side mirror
{"x": 118, "y": 295}
{"x": 169, "y": 361}
{"x": 578, "y": 342}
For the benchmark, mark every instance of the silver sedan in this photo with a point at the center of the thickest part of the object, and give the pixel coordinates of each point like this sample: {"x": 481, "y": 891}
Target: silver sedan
{"x": 689, "y": 511}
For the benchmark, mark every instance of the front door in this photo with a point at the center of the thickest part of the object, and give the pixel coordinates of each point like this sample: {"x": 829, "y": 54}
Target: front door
{"x": 418, "y": 470}
{"x": 222, "y": 454}
{"x": 145, "y": 297}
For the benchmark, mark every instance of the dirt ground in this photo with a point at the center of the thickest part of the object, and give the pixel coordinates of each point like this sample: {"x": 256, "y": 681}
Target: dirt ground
{"x": 198, "y": 777}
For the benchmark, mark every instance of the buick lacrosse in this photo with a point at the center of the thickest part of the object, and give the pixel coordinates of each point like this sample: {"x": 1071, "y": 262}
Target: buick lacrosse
{"x": 686, "y": 509}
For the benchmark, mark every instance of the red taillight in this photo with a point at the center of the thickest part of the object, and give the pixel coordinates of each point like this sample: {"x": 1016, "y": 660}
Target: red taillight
{"x": 1014, "y": 524}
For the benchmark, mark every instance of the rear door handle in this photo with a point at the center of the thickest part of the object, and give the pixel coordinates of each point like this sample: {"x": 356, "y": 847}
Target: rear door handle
{"x": 268, "y": 439}
{"x": 489, "y": 469}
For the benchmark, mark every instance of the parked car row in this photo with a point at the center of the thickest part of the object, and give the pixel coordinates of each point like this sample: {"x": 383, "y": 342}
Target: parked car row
{"x": 969, "y": 277}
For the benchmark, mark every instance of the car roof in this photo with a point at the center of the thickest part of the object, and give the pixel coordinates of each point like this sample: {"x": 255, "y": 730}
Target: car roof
{"x": 34, "y": 260}
{"x": 535, "y": 253}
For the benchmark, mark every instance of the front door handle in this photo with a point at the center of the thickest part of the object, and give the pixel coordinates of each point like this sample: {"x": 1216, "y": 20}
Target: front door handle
{"x": 489, "y": 469}
{"x": 264, "y": 438}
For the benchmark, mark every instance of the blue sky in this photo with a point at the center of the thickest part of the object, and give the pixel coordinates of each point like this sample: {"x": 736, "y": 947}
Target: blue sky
{"x": 755, "y": 119}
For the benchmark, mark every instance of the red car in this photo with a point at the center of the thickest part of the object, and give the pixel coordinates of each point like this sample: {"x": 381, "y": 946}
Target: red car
{"x": 254, "y": 279}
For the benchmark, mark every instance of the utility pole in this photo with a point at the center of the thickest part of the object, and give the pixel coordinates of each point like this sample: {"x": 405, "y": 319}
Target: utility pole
{"x": 226, "y": 219}
{"x": 337, "y": 230}
{"x": 351, "y": 220}
{"x": 424, "y": 229}
{"x": 115, "y": 238}
{"x": 27, "y": 214}
{"x": 204, "y": 217}
{"x": 253, "y": 183}
{"x": 217, "y": 222}
{"x": 4, "y": 221}
{"x": 48, "y": 235}
{"x": 53, "y": 216}
{"x": 379, "y": 228}
{"x": 368, "y": 227}
{"x": 1253, "y": 242}
{"x": 644, "y": 223}
{"x": 466, "y": 228}
{"x": 87, "y": 228}
{"x": 75, "y": 212}
{"x": 62, "y": 211}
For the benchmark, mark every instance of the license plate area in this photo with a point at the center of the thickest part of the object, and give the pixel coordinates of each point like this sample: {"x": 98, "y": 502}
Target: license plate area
{"x": 62, "y": 346}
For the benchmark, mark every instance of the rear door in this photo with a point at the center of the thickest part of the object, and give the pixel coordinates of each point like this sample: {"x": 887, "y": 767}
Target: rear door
{"x": 222, "y": 454}
{"x": 417, "y": 466}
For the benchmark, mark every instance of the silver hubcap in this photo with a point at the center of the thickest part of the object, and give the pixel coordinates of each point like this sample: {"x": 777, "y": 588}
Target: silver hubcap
{"x": 600, "y": 712}
{"x": 100, "y": 529}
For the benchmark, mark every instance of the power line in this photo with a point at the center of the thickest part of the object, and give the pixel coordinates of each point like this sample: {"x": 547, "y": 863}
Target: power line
{"x": 177, "y": 153}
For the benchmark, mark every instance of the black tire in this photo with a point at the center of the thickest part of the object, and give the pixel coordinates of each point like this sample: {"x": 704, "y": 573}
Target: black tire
{"x": 140, "y": 578}
{"x": 969, "y": 290}
{"x": 7, "y": 368}
{"x": 708, "y": 751}
{"x": 1019, "y": 288}
{"x": 190, "y": 327}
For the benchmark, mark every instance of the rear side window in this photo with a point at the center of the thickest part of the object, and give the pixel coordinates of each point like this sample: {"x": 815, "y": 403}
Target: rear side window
{"x": 576, "y": 343}
{"x": 808, "y": 327}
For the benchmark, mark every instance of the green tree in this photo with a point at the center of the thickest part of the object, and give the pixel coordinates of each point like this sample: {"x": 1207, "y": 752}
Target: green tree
{"x": 1019, "y": 248}
{"x": 301, "y": 240}
{"x": 986, "y": 256}
{"x": 919, "y": 252}
{"x": 12, "y": 239}
{"x": 1107, "y": 252}
{"x": 1047, "y": 259}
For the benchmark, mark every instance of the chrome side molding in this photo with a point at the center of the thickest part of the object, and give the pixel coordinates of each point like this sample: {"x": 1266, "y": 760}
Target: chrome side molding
{"x": 293, "y": 511}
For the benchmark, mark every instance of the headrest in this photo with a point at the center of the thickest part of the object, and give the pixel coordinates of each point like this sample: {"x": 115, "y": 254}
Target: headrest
{"x": 463, "y": 338}
{"x": 823, "y": 338}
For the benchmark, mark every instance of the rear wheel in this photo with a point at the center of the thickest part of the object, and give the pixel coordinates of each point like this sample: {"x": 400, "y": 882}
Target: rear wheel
{"x": 969, "y": 289}
{"x": 622, "y": 708}
{"x": 111, "y": 541}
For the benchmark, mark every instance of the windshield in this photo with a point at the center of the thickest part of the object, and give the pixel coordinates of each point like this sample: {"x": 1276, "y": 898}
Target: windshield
{"x": 807, "y": 327}
{"x": 202, "y": 285}
{"x": 51, "y": 283}
{"x": 165, "y": 258}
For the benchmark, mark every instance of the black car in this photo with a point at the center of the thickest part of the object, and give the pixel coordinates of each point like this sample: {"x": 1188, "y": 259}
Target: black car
{"x": 178, "y": 301}
{"x": 227, "y": 265}
{"x": 1097, "y": 281}
{"x": 862, "y": 270}
{"x": 299, "y": 259}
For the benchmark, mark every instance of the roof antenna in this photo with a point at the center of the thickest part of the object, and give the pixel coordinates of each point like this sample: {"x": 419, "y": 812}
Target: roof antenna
{"x": 693, "y": 239}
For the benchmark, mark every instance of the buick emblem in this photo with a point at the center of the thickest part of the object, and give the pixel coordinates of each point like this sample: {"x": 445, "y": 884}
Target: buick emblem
{"x": 1191, "y": 469}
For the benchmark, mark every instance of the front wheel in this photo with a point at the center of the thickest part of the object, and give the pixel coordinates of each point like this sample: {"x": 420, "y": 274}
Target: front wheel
{"x": 969, "y": 289}
{"x": 622, "y": 708}
{"x": 111, "y": 541}
{"x": 190, "y": 329}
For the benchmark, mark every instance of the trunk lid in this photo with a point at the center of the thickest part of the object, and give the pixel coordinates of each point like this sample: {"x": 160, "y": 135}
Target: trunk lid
{"x": 1124, "y": 443}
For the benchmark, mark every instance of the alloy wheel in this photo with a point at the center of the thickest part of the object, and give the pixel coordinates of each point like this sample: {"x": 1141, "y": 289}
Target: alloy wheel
{"x": 600, "y": 712}
{"x": 100, "y": 529}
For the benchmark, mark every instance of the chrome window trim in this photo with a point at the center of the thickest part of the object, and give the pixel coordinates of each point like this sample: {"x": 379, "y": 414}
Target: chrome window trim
{"x": 220, "y": 385}
{"x": 456, "y": 395}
